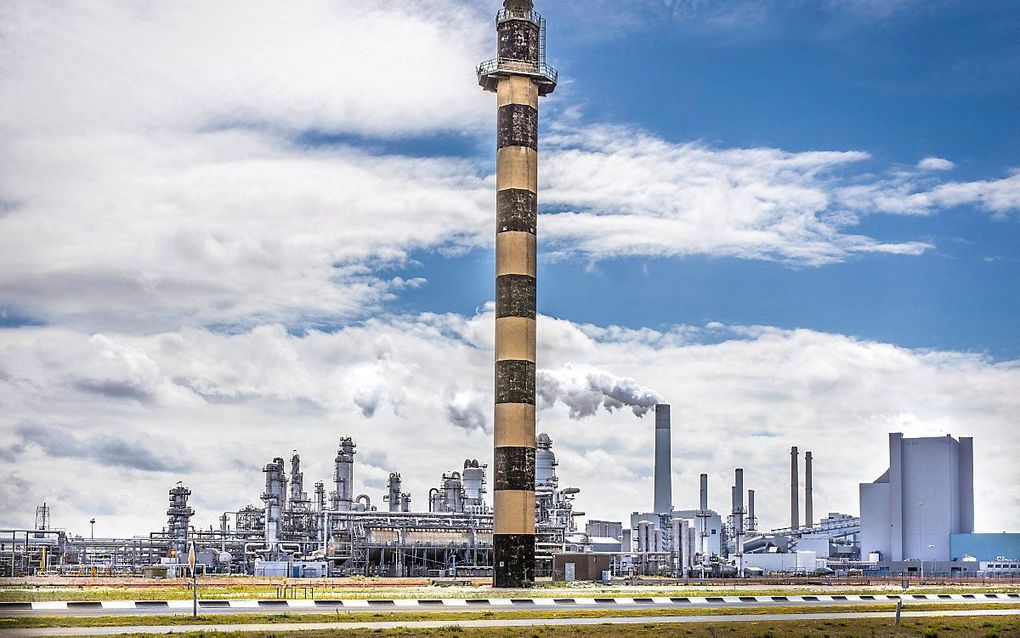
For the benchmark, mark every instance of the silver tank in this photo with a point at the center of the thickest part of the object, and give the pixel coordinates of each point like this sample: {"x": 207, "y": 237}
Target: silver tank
{"x": 474, "y": 481}
{"x": 453, "y": 492}
{"x": 545, "y": 462}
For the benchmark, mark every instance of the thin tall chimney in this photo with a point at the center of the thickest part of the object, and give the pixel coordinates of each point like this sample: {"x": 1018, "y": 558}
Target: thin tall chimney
{"x": 809, "y": 514}
{"x": 752, "y": 523}
{"x": 794, "y": 489}
{"x": 663, "y": 471}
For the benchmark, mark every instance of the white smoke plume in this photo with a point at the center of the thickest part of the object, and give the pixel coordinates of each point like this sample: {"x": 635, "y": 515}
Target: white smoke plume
{"x": 583, "y": 390}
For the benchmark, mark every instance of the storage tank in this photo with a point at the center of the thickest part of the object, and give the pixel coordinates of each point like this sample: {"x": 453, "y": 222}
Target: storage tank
{"x": 545, "y": 462}
{"x": 474, "y": 481}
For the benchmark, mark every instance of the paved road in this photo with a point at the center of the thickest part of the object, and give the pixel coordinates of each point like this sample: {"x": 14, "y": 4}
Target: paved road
{"x": 267, "y": 607}
{"x": 665, "y": 620}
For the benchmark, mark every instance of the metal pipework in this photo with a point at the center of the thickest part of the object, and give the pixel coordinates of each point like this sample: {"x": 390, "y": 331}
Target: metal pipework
{"x": 738, "y": 518}
{"x": 663, "y": 502}
{"x": 794, "y": 489}
{"x": 809, "y": 515}
{"x": 518, "y": 77}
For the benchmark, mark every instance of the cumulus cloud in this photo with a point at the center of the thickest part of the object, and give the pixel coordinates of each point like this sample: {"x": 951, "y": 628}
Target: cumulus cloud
{"x": 583, "y": 391}
{"x": 623, "y": 191}
{"x": 247, "y": 397}
{"x": 935, "y": 164}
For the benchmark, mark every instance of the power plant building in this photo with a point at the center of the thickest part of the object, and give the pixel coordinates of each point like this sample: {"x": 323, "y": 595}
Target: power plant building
{"x": 926, "y": 496}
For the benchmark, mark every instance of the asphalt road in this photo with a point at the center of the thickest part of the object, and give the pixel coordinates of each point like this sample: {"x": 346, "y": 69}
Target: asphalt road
{"x": 664, "y": 620}
{"x": 183, "y": 608}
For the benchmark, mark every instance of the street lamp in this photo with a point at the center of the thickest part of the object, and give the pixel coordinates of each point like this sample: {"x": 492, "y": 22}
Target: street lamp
{"x": 92, "y": 542}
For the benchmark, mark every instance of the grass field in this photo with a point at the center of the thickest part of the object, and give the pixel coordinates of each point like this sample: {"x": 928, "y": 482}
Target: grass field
{"x": 27, "y": 622}
{"x": 866, "y": 628}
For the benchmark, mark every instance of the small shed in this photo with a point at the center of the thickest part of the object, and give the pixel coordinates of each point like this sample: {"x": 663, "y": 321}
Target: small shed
{"x": 580, "y": 566}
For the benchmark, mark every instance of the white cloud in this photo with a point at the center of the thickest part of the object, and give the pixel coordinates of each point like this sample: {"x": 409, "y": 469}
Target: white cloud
{"x": 935, "y": 164}
{"x": 384, "y": 68}
{"x": 229, "y": 403}
{"x": 626, "y": 192}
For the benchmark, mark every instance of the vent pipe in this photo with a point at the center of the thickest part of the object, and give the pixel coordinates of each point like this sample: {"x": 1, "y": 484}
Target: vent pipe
{"x": 794, "y": 488}
{"x": 809, "y": 514}
{"x": 663, "y": 503}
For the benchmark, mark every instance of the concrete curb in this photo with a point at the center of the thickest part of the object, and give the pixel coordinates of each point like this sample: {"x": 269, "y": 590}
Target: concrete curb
{"x": 462, "y": 603}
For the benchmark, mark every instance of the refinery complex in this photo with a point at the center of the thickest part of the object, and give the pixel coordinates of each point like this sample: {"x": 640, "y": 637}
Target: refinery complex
{"x": 331, "y": 531}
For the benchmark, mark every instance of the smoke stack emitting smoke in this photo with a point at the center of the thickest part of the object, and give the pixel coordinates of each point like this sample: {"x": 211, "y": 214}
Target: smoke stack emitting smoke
{"x": 583, "y": 390}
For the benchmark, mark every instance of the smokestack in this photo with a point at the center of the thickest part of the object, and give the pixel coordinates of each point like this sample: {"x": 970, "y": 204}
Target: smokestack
{"x": 752, "y": 524}
{"x": 663, "y": 473}
{"x": 738, "y": 504}
{"x": 702, "y": 518}
{"x": 794, "y": 489}
{"x": 809, "y": 514}
{"x": 703, "y": 503}
{"x": 518, "y": 76}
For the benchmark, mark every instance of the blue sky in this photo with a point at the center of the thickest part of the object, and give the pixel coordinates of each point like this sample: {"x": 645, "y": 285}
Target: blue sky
{"x": 233, "y": 229}
{"x": 902, "y": 84}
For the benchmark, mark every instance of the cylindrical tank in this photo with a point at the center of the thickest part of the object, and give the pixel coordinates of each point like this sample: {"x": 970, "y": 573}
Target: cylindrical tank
{"x": 474, "y": 482}
{"x": 453, "y": 492}
{"x": 545, "y": 462}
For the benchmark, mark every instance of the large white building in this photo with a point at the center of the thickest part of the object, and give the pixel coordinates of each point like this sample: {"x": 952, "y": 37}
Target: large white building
{"x": 926, "y": 495}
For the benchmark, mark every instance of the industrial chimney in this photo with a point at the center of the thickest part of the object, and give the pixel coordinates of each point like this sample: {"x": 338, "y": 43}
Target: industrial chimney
{"x": 794, "y": 489}
{"x": 702, "y": 518}
{"x": 663, "y": 473}
{"x": 752, "y": 522}
{"x": 809, "y": 514}
{"x": 518, "y": 76}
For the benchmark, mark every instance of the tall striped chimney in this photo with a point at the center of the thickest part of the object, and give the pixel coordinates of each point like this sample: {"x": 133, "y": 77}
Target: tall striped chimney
{"x": 518, "y": 77}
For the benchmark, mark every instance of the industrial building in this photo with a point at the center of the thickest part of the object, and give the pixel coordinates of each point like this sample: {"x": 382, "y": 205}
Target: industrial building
{"x": 919, "y": 514}
{"x": 926, "y": 495}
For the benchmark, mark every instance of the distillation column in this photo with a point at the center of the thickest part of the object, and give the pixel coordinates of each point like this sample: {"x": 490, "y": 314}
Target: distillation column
{"x": 518, "y": 77}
